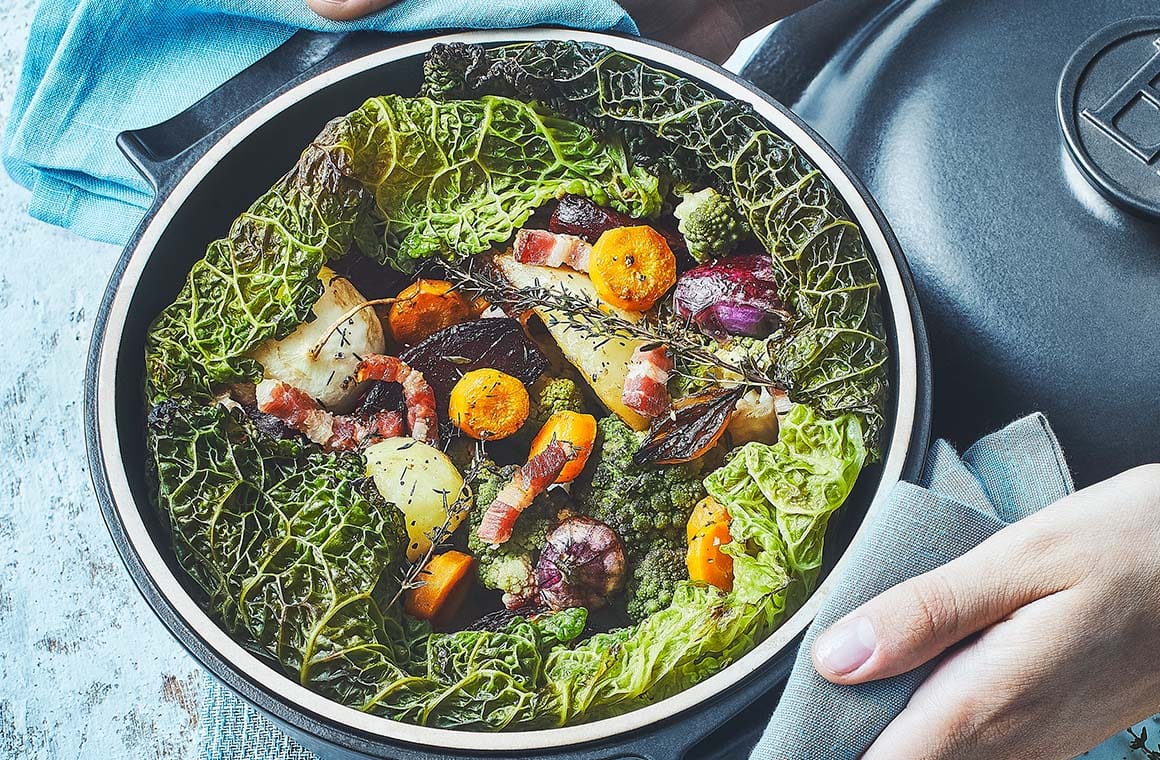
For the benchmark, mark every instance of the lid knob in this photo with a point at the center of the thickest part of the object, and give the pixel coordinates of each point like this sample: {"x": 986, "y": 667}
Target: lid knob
{"x": 1109, "y": 108}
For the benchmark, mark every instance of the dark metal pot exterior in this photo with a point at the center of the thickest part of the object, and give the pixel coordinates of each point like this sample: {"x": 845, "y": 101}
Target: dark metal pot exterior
{"x": 1040, "y": 285}
{"x": 159, "y": 261}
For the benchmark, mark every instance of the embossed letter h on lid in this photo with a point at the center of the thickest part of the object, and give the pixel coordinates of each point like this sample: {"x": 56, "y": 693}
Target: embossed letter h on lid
{"x": 1139, "y": 91}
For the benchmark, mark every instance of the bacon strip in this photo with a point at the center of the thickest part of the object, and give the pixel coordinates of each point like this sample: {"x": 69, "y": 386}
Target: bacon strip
{"x": 551, "y": 250}
{"x": 646, "y": 384}
{"x": 422, "y": 420}
{"x": 526, "y": 484}
{"x": 298, "y": 410}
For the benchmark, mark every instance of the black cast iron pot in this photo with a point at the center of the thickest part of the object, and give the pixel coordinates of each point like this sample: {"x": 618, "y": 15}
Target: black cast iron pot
{"x": 207, "y": 165}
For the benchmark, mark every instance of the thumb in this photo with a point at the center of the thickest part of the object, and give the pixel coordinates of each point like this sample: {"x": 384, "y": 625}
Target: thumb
{"x": 345, "y": 10}
{"x": 918, "y": 619}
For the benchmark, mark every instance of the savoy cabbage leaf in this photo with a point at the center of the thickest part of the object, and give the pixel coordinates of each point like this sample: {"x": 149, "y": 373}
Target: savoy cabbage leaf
{"x": 780, "y": 498}
{"x": 294, "y": 549}
{"x": 261, "y": 280}
{"x": 452, "y": 179}
{"x": 429, "y": 179}
{"x": 834, "y": 356}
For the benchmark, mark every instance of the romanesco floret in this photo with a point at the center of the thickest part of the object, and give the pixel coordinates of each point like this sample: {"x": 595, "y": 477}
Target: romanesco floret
{"x": 559, "y": 394}
{"x": 711, "y": 223}
{"x": 509, "y": 566}
{"x": 643, "y": 505}
{"x": 652, "y": 581}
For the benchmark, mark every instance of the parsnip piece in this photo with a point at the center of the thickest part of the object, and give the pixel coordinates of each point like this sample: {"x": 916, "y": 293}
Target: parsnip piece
{"x": 330, "y": 376}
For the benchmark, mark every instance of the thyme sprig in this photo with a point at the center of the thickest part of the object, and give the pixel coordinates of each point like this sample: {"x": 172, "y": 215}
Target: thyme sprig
{"x": 454, "y": 510}
{"x": 576, "y": 312}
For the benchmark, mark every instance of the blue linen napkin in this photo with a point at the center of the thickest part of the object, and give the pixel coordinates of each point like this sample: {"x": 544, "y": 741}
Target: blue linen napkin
{"x": 97, "y": 67}
{"x": 958, "y": 503}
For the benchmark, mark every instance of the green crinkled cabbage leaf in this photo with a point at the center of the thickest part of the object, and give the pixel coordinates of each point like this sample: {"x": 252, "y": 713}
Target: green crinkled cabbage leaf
{"x": 294, "y": 549}
{"x": 699, "y": 634}
{"x": 432, "y": 179}
{"x": 261, "y": 280}
{"x": 485, "y": 680}
{"x": 780, "y": 498}
{"x": 452, "y": 179}
{"x": 834, "y": 355}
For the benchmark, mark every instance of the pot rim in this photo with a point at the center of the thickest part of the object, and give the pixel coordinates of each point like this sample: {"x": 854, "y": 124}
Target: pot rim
{"x": 123, "y": 514}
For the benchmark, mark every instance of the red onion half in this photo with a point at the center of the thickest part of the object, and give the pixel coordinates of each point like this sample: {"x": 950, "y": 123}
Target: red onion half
{"x": 581, "y": 565}
{"x": 737, "y": 295}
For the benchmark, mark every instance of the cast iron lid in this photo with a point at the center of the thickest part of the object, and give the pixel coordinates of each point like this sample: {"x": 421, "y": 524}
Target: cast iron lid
{"x": 1015, "y": 147}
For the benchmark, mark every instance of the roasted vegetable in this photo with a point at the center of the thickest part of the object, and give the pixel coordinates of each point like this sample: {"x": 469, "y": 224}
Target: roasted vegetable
{"x": 489, "y": 405}
{"x": 577, "y": 215}
{"x": 653, "y": 580}
{"x": 577, "y": 430}
{"x": 449, "y": 354}
{"x": 734, "y": 296}
{"x": 692, "y": 427}
{"x": 444, "y": 582}
{"x": 755, "y": 417}
{"x": 328, "y": 375}
{"x": 600, "y": 358}
{"x": 709, "y": 531}
{"x": 632, "y": 267}
{"x": 707, "y": 512}
{"x": 509, "y": 567}
{"x": 642, "y": 505}
{"x": 451, "y": 179}
{"x": 423, "y": 483}
{"x": 582, "y": 564}
{"x": 835, "y": 357}
{"x": 425, "y": 307}
{"x": 558, "y": 394}
{"x": 711, "y": 223}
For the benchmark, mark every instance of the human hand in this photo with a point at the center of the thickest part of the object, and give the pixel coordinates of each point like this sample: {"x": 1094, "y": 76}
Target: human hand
{"x": 1053, "y": 627}
{"x": 707, "y": 28}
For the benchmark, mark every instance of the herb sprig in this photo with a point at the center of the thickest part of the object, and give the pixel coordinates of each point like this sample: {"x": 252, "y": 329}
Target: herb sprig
{"x": 454, "y": 510}
{"x": 576, "y": 312}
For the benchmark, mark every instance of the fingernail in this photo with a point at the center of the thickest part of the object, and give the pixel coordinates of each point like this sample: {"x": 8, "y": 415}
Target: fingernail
{"x": 845, "y": 647}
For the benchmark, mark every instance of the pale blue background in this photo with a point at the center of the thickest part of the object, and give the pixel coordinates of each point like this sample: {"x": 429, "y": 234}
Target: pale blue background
{"x": 86, "y": 670}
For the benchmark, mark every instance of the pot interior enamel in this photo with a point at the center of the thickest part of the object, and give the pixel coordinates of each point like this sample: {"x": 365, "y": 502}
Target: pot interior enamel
{"x": 239, "y": 166}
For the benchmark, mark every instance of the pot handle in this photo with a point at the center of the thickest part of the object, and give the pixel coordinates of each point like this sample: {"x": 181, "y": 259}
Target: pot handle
{"x": 162, "y": 151}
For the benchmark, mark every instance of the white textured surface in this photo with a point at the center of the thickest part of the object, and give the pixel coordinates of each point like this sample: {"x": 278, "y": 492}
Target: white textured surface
{"x": 87, "y": 670}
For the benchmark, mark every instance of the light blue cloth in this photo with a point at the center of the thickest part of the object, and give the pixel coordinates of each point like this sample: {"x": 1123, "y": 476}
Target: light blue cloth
{"x": 97, "y": 67}
{"x": 958, "y": 503}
